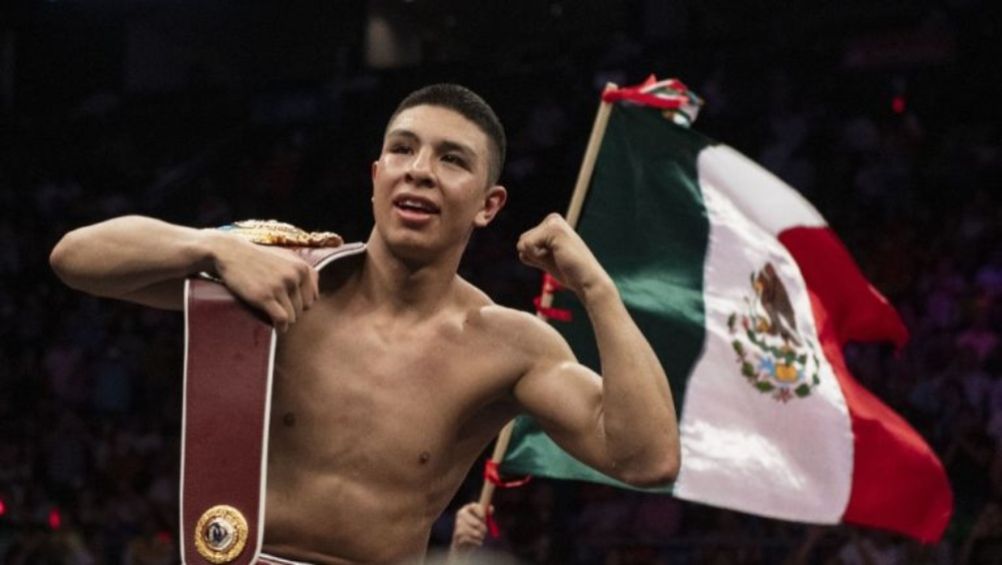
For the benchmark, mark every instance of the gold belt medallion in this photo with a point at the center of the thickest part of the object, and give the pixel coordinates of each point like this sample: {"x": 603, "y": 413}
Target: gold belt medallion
{"x": 221, "y": 534}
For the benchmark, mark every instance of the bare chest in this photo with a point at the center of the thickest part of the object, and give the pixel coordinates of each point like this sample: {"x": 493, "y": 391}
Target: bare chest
{"x": 356, "y": 397}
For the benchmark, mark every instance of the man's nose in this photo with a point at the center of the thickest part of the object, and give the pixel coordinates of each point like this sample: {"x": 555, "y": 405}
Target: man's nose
{"x": 419, "y": 172}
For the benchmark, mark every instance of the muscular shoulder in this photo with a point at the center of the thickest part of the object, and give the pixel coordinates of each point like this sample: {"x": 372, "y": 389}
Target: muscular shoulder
{"x": 522, "y": 333}
{"x": 508, "y": 325}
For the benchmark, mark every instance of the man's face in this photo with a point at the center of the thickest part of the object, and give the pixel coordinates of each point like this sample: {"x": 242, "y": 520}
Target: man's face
{"x": 430, "y": 182}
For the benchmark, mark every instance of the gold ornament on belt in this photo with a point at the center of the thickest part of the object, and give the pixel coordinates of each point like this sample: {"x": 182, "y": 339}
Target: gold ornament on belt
{"x": 273, "y": 232}
{"x": 221, "y": 534}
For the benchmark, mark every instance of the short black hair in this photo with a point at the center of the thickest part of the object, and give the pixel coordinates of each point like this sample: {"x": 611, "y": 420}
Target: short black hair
{"x": 472, "y": 107}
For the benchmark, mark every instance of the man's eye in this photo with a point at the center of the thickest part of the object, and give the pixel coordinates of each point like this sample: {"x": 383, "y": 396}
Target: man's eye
{"x": 454, "y": 159}
{"x": 400, "y": 148}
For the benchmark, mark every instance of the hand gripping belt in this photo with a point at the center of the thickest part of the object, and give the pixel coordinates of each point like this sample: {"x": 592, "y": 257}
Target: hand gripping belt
{"x": 228, "y": 370}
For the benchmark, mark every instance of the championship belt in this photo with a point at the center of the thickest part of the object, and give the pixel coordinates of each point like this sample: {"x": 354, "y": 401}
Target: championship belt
{"x": 228, "y": 370}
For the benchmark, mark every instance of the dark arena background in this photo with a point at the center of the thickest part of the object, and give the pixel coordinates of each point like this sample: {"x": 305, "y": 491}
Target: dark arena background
{"x": 884, "y": 114}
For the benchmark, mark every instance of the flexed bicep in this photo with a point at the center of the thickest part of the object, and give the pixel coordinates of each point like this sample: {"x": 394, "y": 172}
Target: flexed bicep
{"x": 565, "y": 398}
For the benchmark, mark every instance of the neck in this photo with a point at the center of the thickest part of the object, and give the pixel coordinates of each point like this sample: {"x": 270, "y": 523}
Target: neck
{"x": 406, "y": 286}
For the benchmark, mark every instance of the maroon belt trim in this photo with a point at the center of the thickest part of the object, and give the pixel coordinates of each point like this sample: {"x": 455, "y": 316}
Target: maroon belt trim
{"x": 229, "y": 365}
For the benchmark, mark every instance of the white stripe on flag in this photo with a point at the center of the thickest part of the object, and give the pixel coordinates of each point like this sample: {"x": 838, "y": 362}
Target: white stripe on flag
{"x": 743, "y": 448}
{"x": 762, "y": 196}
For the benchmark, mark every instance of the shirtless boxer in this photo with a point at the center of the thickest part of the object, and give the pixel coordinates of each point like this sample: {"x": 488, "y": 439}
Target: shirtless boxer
{"x": 392, "y": 372}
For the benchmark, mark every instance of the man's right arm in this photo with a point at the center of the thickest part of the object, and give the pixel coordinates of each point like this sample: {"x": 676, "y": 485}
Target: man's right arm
{"x": 145, "y": 260}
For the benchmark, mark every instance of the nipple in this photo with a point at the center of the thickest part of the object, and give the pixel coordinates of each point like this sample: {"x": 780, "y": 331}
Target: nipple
{"x": 424, "y": 457}
{"x": 289, "y": 419}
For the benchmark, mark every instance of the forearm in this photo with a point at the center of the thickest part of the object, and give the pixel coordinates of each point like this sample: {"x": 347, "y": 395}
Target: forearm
{"x": 120, "y": 256}
{"x": 638, "y": 413}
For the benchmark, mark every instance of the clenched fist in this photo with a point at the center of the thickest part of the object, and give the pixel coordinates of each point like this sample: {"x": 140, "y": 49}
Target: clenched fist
{"x": 556, "y": 248}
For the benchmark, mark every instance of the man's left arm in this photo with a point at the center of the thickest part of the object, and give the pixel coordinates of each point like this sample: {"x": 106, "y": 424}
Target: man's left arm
{"x": 623, "y": 424}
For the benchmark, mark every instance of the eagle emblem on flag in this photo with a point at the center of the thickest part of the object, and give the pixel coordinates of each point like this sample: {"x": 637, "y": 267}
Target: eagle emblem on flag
{"x": 774, "y": 357}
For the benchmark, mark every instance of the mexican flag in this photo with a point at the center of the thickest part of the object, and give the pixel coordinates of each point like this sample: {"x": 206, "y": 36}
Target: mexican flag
{"x": 748, "y": 297}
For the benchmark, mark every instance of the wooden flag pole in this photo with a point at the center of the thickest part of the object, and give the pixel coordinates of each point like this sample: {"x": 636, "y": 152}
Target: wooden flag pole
{"x": 588, "y": 163}
{"x": 546, "y": 299}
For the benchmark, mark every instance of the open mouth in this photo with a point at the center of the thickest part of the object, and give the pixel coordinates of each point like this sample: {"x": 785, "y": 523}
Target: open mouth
{"x": 415, "y": 205}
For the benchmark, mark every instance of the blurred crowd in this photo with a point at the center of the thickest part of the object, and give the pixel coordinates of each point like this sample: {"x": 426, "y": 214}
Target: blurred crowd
{"x": 90, "y": 389}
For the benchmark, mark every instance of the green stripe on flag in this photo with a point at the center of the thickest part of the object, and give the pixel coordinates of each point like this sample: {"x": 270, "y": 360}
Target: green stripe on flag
{"x": 645, "y": 221}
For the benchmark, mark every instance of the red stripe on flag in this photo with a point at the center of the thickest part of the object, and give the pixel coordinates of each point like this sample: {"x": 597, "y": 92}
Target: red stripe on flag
{"x": 898, "y": 483}
{"x": 859, "y": 311}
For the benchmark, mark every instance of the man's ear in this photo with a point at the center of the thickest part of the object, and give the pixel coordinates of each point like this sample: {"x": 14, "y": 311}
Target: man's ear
{"x": 494, "y": 201}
